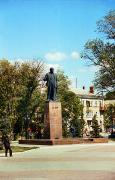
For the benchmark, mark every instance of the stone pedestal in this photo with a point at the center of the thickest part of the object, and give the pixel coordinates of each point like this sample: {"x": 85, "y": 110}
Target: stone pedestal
{"x": 53, "y": 120}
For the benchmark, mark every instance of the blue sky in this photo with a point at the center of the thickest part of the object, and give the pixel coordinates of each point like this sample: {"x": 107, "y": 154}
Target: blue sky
{"x": 52, "y": 30}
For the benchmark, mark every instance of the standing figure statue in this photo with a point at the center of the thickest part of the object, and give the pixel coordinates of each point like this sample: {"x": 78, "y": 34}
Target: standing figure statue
{"x": 51, "y": 83}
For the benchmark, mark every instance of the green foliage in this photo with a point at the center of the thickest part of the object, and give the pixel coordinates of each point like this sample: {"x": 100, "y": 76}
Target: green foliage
{"x": 108, "y": 116}
{"x": 63, "y": 84}
{"x": 110, "y": 95}
{"x": 79, "y": 126}
{"x": 4, "y": 126}
{"x": 102, "y": 53}
{"x": 20, "y": 92}
{"x": 107, "y": 25}
{"x": 9, "y": 90}
{"x": 72, "y": 109}
{"x": 21, "y": 99}
{"x": 95, "y": 128}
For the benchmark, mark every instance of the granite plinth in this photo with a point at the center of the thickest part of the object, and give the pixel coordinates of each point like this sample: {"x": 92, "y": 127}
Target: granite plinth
{"x": 63, "y": 141}
{"x": 53, "y": 120}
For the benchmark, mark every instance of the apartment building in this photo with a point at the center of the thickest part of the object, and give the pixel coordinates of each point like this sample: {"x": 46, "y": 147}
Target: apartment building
{"x": 92, "y": 105}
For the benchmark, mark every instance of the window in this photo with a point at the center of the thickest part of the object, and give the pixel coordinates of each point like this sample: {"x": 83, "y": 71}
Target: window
{"x": 89, "y": 114}
{"x": 96, "y": 103}
{"x": 88, "y": 103}
{"x": 96, "y": 113}
{"x": 91, "y": 103}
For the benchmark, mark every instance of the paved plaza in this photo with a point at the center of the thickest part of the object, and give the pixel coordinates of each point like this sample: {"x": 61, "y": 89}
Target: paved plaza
{"x": 62, "y": 162}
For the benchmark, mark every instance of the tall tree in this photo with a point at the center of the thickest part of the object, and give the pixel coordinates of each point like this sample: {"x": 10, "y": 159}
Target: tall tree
{"x": 110, "y": 95}
{"x": 72, "y": 113}
{"x": 109, "y": 116}
{"x": 107, "y": 25}
{"x": 72, "y": 109}
{"x": 9, "y": 90}
{"x": 102, "y": 53}
{"x": 30, "y": 77}
{"x": 95, "y": 128}
{"x": 20, "y": 92}
{"x": 63, "y": 84}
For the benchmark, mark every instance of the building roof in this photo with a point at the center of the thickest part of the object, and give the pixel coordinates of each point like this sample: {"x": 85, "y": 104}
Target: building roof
{"x": 83, "y": 94}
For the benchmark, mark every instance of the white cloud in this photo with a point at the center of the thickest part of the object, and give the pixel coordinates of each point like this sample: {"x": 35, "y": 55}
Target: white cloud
{"x": 75, "y": 55}
{"x": 55, "y": 56}
{"x": 59, "y": 56}
{"x": 55, "y": 66}
{"x": 48, "y": 66}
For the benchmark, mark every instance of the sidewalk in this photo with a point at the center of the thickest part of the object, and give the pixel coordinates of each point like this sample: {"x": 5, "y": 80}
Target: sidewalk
{"x": 61, "y": 162}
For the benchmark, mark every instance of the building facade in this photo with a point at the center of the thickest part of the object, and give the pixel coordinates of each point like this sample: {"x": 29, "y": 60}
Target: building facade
{"x": 92, "y": 105}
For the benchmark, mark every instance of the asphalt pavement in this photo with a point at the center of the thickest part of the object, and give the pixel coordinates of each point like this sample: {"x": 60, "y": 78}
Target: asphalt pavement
{"x": 61, "y": 162}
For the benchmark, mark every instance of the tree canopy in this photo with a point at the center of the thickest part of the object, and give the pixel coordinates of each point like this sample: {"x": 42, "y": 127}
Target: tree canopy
{"x": 110, "y": 95}
{"x": 95, "y": 127}
{"x": 18, "y": 85}
{"x": 109, "y": 116}
{"x": 101, "y": 53}
{"x": 72, "y": 109}
{"x": 22, "y": 103}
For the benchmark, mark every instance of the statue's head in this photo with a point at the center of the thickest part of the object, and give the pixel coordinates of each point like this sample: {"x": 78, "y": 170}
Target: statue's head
{"x": 51, "y": 70}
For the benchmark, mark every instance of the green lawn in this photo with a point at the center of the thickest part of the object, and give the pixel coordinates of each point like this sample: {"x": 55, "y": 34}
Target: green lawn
{"x": 19, "y": 149}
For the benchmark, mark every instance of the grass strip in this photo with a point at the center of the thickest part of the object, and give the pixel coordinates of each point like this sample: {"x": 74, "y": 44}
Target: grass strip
{"x": 19, "y": 149}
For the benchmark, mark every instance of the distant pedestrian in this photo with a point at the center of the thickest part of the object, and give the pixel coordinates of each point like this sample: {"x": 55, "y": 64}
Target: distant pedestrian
{"x": 30, "y": 133}
{"x": 6, "y": 143}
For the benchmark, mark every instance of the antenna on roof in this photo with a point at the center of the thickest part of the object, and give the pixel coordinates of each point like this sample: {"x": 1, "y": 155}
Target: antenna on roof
{"x": 76, "y": 83}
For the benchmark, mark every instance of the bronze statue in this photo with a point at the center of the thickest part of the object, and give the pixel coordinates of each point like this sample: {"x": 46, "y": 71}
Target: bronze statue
{"x": 51, "y": 83}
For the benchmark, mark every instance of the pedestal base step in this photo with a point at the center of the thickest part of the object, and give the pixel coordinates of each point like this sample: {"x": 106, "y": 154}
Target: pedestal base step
{"x": 63, "y": 141}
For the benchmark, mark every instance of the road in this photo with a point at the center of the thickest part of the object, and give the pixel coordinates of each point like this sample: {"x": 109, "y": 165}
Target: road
{"x": 61, "y": 162}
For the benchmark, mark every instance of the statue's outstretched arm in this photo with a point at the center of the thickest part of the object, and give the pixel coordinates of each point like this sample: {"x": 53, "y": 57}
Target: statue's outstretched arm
{"x": 46, "y": 77}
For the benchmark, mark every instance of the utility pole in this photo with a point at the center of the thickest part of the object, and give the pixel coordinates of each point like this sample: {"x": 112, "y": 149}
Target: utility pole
{"x": 76, "y": 83}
